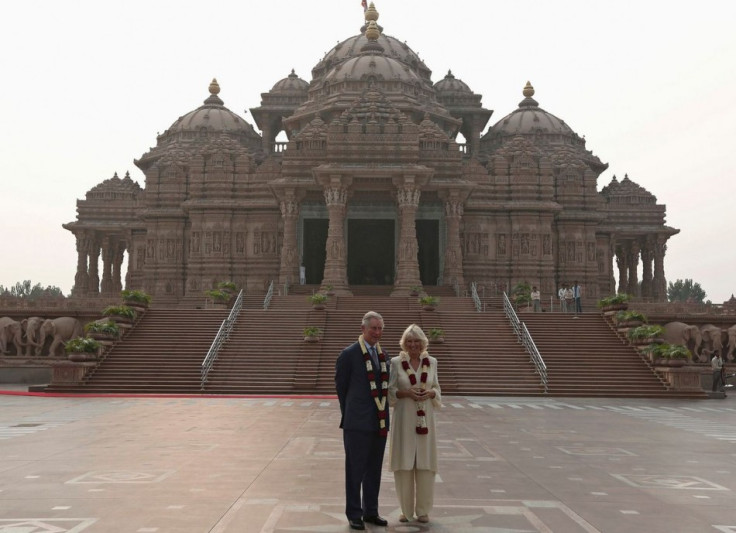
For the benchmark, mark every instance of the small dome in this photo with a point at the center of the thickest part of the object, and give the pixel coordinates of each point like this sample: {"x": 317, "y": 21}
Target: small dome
{"x": 213, "y": 116}
{"x": 370, "y": 64}
{"x": 529, "y": 118}
{"x": 450, "y": 84}
{"x": 291, "y": 84}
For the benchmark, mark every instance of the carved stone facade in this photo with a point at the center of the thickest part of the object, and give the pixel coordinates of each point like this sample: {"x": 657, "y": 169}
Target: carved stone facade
{"x": 371, "y": 188}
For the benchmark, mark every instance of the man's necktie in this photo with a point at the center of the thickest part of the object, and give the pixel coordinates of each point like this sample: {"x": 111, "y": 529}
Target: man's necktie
{"x": 374, "y": 358}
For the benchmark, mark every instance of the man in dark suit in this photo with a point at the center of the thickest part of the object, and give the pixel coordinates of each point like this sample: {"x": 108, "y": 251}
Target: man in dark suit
{"x": 361, "y": 380}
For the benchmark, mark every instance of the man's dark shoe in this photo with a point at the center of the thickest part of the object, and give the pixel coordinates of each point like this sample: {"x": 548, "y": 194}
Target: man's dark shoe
{"x": 376, "y": 520}
{"x": 356, "y": 523}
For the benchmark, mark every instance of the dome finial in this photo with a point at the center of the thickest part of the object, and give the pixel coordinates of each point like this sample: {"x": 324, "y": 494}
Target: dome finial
{"x": 214, "y": 87}
{"x": 372, "y": 33}
{"x": 371, "y": 13}
{"x": 213, "y": 99}
{"x": 528, "y": 91}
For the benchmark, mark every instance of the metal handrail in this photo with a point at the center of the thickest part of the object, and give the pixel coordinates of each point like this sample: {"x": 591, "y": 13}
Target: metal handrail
{"x": 476, "y": 298}
{"x": 222, "y": 335}
{"x": 525, "y": 338}
{"x": 456, "y": 287}
{"x": 269, "y": 295}
{"x": 512, "y": 316}
{"x": 536, "y": 357}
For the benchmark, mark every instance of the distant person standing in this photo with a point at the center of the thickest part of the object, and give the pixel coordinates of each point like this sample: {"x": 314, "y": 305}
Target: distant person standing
{"x": 577, "y": 293}
{"x": 561, "y": 295}
{"x": 569, "y": 300}
{"x": 302, "y": 275}
{"x": 716, "y": 364}
{"x": 536, "y": 300}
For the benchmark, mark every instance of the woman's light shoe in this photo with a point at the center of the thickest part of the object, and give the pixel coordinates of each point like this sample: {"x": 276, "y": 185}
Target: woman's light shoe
{"x": 402, "y": 518}
{"x": 424, "y": 519}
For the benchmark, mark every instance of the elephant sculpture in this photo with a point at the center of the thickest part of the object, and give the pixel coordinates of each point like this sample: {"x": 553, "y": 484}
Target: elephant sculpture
{"x": 731, "y": 346}
{"x": 61, "y": 330}
{"x": 11, "y": 332}
{"x": 713, "y": 338}
{"x": 686, "y": 335}
{"x": 32, "y": 329}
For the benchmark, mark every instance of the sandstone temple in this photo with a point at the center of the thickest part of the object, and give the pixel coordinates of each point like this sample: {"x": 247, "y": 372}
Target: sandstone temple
{"x": 387, "y": 178}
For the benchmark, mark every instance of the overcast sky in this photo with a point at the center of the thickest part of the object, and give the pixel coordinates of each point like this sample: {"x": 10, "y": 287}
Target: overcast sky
{"x": 88, "y": 85}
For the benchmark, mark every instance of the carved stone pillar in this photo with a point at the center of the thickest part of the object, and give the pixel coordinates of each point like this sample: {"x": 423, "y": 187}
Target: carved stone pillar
{"x": 647, "y": 255}
{"x": 289, "y": 272}
{"x": 81, "y": 278}
{"x": 633, "y": 288}
{"x": 407, "y": 266}
{"x": 94, "y": 258}
{"x": 336, "y": 272}
{"x": 453, "y": 251}
{"x": 622, "y": 263}
{"x": 660, "y": 284}
{"x": 118, "y": 253}
{"x": 107, "y": 257}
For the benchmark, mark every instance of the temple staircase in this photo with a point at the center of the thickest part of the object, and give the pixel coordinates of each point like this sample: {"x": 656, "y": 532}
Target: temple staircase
{"x": 266, "y": 353}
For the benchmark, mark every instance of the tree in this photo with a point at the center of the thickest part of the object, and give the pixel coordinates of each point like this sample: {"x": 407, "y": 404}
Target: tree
{"x": 685, "y": 291}
{"x": 26, "y": 290}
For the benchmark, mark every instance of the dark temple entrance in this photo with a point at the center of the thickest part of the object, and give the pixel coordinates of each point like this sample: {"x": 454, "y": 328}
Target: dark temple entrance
{"x": 313, "y": 250}
{"x": 370, "y": 252}
{"x": 428, "y": 238}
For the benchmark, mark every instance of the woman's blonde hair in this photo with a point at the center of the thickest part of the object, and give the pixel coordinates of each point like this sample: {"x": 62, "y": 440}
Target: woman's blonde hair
{"x": 413, "y": 332}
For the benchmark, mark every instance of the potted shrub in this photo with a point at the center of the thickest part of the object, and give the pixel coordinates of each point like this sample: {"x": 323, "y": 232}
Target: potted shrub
{"x": 219, "y": 297}
{"x": 82, "y": 349}
{"x": 617, "y": 302}
{"x": 228, "y": 287}
{"x": 317, "y": 300}
{"x": 436, "y": 335}
{"x": 676, "y": 354}
{"x": 414, "y": 290}
{"x": 120, "y": 313}
{"x": 327, "y": 289}
{"x": 312, "y": 334}
{"x": 629, "y": 319}
{"x": 521, "y": 294}
{"x": 103, "y": 330}
{"x": 135, "y": 298}
{"x": 428, "y": 303}
{"x": 645, "y": 334}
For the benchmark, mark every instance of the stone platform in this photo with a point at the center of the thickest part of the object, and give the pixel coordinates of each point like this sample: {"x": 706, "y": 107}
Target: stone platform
{"x": 145, "y": 465}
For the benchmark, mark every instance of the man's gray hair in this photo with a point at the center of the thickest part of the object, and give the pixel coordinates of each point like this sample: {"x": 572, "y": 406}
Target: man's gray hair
{"x": 370, "y": 315}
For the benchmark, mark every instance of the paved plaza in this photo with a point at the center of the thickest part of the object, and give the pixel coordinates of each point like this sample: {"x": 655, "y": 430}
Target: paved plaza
{"x": 507, "y": 465}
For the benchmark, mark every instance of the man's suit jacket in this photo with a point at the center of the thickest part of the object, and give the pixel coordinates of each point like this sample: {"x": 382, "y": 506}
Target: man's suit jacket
{"x": 357, "y": 406}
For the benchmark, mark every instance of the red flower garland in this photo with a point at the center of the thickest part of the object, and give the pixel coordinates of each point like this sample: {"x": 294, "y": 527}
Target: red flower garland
{"x": 422, "y": 428}
{"x": 380, "y": 401}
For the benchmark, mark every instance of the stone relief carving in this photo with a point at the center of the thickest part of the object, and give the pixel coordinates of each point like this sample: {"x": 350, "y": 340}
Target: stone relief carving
{"x": 515, "y": 245}
{"x": 591, "y": 251}
{"x": 336, "y": 196}
{"x": 408, "y": 196}
{"x": 501, "y": 240}
{"x": 240, "y": 243}
{"x": 547, "y": 245}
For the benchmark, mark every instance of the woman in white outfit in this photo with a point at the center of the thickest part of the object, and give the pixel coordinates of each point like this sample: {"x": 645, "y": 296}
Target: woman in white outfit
{"x": 414, "y": 393}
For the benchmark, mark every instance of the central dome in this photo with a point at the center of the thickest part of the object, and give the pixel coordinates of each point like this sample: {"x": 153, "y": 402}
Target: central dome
{"x": 369, "y": 64}
{"x": 354, "y": 46}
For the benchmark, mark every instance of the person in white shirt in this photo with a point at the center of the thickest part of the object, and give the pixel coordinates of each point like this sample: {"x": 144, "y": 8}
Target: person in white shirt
{"x": 716, "y": 364}
{"x": 561, "y": 295}
{"x": 536, "y": 300}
